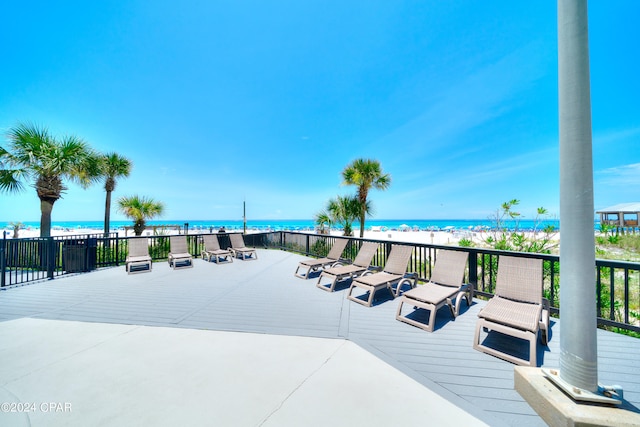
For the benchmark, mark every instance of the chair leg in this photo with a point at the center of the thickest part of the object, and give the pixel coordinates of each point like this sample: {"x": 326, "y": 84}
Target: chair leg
{"x": 533, "y": 350}
{"x": 399, "y": 310}
{"x": 358, "y": 300}
{"x": 324, "y": 288}
{"x": 433, "y": 309}
{"x": 432, "y": 319}
{"x": 476, "y": 336}
{"x": 529, "y": 336}
{"x": 372, "y": 294}
{"x": 301, "y": 275}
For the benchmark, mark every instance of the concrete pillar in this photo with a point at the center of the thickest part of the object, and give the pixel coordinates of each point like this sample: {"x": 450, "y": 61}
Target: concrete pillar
{"x": 578, "y": 344}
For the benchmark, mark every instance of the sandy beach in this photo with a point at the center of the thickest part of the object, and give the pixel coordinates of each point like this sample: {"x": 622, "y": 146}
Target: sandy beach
{"x": 451, "y": 237}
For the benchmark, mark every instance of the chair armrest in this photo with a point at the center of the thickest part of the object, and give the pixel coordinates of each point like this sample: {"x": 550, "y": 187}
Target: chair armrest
{"x": 410, "y": 278}
{"x": 545, "y": 312}
{"x": 466, "y": 287}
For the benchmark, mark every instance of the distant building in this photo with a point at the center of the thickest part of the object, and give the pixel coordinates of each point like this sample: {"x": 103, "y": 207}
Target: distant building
{"x": 624, "y": 215}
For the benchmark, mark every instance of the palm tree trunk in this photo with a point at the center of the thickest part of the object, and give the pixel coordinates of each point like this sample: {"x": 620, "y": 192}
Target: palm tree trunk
{"x": 139, "y": 226}
{"x": 45, "y": 218}
{"x": 363, "y": 210}
{"x": 107, "y": 212}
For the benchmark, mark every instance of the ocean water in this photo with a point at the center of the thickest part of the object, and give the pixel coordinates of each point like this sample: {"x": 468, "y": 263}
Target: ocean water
{"x": 302, "y": 224}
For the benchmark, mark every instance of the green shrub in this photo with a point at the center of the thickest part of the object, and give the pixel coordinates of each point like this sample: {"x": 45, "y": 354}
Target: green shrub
{"x": 465, "y": 243}
{"x": 320, "y": 248}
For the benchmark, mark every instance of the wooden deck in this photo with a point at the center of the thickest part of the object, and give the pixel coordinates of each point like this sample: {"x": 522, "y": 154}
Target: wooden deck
{"x": 263, "y": 296}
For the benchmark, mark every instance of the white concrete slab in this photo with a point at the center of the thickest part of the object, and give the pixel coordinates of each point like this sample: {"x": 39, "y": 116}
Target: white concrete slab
{"x": 354, "y": 388}
{"x": 76, "y": 373}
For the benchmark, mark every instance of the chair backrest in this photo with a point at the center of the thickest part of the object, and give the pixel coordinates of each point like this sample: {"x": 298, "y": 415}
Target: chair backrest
{"x": 365, "y": 254}
{"x": 449, "y": 268}
{"x": 337, "y": 248}
{"x": 398, "y": 259}
{"x": 519, "y": 279}
{"x": 237, "y": 241}
{"x": 178, "y": 244}
{"x": 138, "y": 246}
{"x": 211, "y": 242}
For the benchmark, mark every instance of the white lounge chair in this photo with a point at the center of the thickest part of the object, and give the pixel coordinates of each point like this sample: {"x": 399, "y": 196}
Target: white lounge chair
{"x": 179, "y": 256}
{"x": 212, "y": 251}
{"x": 341, "y": 272}
{"x": 138, "y": 259}
{"x": 444, "y": 286}
{"x": 239, "y": 249}
{"x": 314, "y": 264}
{"x": 517, "y": 309}
{"x": 393, "y": 273}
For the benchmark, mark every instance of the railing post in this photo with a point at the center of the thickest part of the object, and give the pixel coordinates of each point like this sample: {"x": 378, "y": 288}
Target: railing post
{"x": 473, "y": 269}
{"x": 3, "y": 260}
{"x": 308, "y": 246}
{"x": 117, "y": 251}
{"x": 50, "y": 252}
{"x": 387, "y": 252}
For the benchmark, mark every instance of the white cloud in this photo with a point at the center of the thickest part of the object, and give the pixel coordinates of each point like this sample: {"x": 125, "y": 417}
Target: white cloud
{"x": 620, "y": 175}
{"x": 620, "y": 184}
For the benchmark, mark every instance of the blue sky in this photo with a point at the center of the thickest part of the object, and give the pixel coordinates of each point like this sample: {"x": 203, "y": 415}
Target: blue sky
{"x": 217, "y": 102}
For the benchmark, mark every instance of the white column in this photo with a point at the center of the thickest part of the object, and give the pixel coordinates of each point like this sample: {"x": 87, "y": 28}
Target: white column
{"x": 578, "y": 344}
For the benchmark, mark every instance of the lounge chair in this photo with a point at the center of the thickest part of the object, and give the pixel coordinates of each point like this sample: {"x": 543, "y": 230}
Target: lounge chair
{"x": 138, "y": 259}
{"x": 212, "y": 250}
{"x": 444, "y": 286}
{"x": 313, "y": 264}
{"x": 341, "y": 272}
{"x": 517, "y": 308}
{"x": 239, "y": 249}
{"x": 394, "y": 272}
{"x": 179, "y": 256}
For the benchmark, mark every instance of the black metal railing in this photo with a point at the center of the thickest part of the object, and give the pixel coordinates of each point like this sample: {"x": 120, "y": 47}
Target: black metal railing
{"x": 617, "y": 283}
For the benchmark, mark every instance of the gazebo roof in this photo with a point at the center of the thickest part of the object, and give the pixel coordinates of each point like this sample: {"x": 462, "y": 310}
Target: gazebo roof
{"x": 633, "y": 207}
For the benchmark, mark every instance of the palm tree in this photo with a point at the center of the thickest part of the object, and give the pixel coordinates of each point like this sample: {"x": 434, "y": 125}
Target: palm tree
{"x": 34, "y": 154}
{"x": 16, "y": 228}
{"x": 113, "y": 166}
{"x": 343, "y": 211}
{"x": 140, "y": 209}
{"x": 323, "y": 221}
{"x": 365, "y": 174}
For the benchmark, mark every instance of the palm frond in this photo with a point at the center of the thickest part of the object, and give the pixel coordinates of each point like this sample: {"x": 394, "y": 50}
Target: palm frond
{"x": 10, "y": 180}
